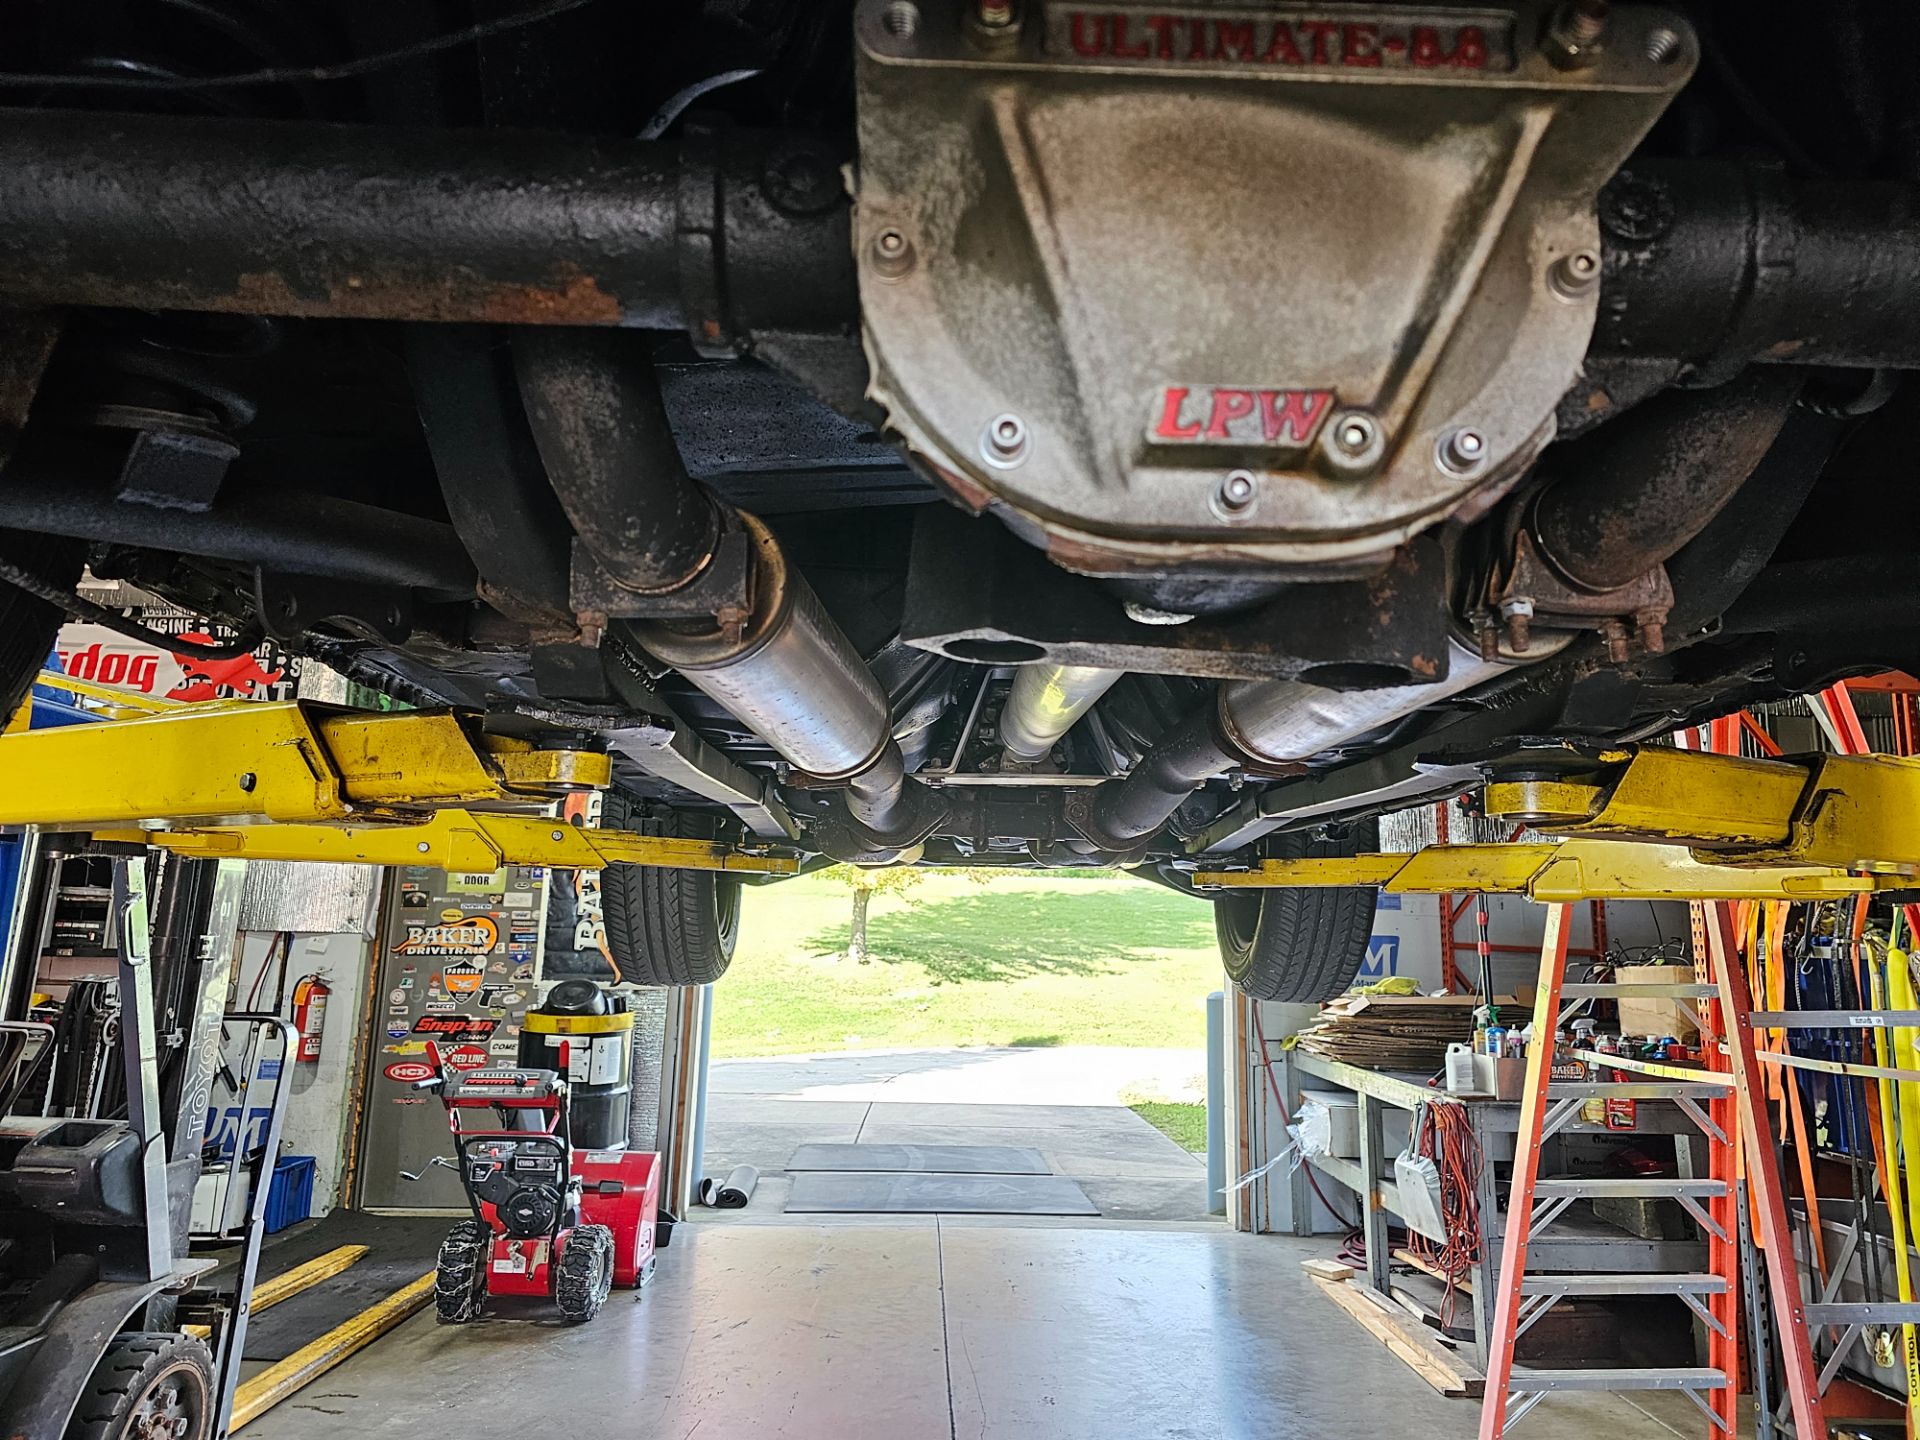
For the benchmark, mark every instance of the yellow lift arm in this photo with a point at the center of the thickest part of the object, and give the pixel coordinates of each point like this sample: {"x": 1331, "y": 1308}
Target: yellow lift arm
{"x": 1846, "y": 812}
{"x": 288, "y": 763}
{"x": 462, "y": 840}
{"x": 1569, "y": 871}
{"x": 307, "y": 782}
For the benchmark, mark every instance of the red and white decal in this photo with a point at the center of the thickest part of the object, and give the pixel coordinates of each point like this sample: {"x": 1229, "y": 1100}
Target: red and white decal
{"x": 467, "y": 1057}
{"x": 1242, "y": 416}
{"x": 1361, "y": 38}
{"x": 409, "y": 1072}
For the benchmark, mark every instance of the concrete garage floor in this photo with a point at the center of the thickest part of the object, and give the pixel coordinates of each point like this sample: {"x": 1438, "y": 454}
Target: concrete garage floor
{"x": 928, "y": 1330}
{"x": 1062, "y": 1103}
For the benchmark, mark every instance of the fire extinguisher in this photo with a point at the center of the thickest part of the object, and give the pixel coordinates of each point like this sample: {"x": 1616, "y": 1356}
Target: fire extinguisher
{"x": 310, "y": 994}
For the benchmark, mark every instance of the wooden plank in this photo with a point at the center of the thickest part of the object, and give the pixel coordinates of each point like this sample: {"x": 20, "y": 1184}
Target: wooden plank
{"x": 1426, "y": 1267}
{"x": 1331, "y": 1270}
{"x": 1444, "y": 1372}
{"x": 274, "y": 1384}
{"x": 285, "y": 1286}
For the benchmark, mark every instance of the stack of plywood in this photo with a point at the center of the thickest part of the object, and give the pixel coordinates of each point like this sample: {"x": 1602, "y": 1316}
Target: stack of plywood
{"x": 1390, "y": 1032}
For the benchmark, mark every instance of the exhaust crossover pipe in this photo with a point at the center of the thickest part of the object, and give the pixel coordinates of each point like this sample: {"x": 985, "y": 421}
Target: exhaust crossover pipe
{"x": 1047, "y": 701}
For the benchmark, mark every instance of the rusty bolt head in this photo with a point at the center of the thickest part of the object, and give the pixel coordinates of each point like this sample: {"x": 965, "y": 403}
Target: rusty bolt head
{"x": 893, "y": 254}
{"x": 1650, "y": 627}
{"x": 1517, "y": 611}
{"x": 1239, "y": 491}
{"x": 1576, "y": 32}
{"x": 1615, "y": 634}
{"x": 1485, "y": 636}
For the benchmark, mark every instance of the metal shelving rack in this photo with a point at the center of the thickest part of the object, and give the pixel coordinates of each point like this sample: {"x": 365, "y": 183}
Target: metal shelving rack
{"x": 1577, "y": 1246}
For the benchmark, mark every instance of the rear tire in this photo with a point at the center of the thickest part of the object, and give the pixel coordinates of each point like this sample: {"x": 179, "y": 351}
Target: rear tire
{"x": 666, "y": 927}
{"x": 460, "y": 1282}
{"x": 584, "y": 1277}
{"x": 28, "y": 625}
{"x": 1300, "y": 945}
{"x": 146, "y": 1384}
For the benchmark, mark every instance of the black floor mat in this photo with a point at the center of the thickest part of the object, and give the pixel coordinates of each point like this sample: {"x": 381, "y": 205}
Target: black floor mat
{"x": 401, "y": 1248}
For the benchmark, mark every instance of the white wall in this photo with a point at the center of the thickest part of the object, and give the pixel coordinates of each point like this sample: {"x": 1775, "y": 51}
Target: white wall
{"x": 320, "y": 1108}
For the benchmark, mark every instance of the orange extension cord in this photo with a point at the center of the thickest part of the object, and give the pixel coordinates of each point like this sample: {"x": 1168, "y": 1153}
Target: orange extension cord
{"x": 1447, "y": 1139}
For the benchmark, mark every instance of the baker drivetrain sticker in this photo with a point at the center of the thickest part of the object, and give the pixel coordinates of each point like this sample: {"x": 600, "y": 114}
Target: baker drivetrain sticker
{"x": 473, "y": 935}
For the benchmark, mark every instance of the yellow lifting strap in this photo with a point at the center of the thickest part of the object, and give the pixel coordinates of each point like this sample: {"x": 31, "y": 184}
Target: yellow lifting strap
{"x": 288, "y": 763}
{"x": 1569, "y": 871}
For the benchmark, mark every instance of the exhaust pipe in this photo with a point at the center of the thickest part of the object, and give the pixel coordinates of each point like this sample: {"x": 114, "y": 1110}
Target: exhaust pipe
{"x": 792, "y": 677}
{"x": 1047, "y": 701}
{"x": 1268, "y": 723}
{"x": 787, "y": 673}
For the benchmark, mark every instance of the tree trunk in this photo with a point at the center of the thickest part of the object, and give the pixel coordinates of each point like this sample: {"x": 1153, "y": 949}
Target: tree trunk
{"x": 857, "y": 934}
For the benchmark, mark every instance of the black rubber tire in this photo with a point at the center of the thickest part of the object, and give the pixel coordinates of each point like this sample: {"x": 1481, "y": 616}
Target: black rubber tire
{"x": 1299, "y": 945}
{"x": 583, "y": 1278}
{"x": 460, "y": 1280}
{"x": 28, "y": 626}
{"x": 143, "y": 1376}
{"x": 667, "y": 927}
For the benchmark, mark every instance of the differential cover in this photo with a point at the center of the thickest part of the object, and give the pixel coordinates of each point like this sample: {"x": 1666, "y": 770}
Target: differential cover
{"x": 1265, "y": 288}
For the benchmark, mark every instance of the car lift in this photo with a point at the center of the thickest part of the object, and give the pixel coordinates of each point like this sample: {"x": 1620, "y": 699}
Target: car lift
{"x": 305, "y": 782}
{"x": 1676, "y": 825}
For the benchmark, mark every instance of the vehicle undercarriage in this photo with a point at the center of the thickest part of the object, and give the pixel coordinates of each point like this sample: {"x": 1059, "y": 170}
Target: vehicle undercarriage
{"x": 973, "y": 432}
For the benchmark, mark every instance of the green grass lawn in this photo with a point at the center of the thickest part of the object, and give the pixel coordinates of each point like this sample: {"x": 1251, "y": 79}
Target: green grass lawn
{"x": 1021, "y": 960}
{"x": 1185, "y": 1125}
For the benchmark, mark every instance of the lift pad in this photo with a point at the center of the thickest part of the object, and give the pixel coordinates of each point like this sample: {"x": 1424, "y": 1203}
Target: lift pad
{"x": 1848, "y": 812}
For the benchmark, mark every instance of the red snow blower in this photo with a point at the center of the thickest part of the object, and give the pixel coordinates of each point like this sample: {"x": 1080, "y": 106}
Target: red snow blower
{"x": 549, "y": 1219}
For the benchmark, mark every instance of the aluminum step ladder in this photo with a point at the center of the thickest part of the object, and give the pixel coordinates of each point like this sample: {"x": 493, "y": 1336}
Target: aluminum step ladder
{"x": 1728, "y": 1107}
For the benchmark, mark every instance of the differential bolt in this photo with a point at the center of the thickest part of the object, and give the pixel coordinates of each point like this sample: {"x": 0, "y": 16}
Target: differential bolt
{"x": 1463, "y": 451}
{"x": 995, "y": 14}
{"x": 1235, "y": 498}
{"x": 1353, "y": 434}
{"x": 1005, "y": 443}
{"x": 892, "y": 254}
{"x": 1572, "y": 277}
{"x": 1574, "y": 34}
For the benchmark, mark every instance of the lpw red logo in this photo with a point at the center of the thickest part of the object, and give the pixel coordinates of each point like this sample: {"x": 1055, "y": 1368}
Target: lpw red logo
{"x": 1237, "y": 415}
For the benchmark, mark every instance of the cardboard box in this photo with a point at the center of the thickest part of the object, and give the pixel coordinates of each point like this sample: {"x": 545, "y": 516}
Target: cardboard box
{"x": 1502, "y": 1079}
{"x": 1661, "y": 1016}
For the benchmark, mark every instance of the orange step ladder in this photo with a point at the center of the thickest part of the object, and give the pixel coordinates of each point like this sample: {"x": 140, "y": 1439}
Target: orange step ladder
{"x": 1728, "y": 1105}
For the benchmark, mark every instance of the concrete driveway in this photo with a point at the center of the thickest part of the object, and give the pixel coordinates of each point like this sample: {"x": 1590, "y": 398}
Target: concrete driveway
{"x": 1063, "y": 1102}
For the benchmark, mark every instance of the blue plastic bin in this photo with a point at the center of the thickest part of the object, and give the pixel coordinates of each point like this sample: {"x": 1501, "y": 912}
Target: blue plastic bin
{"x": 290, "y": 1195}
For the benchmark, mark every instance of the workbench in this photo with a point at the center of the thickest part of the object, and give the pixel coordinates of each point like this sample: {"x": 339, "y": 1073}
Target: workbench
{"x": 1577, "y": 1243}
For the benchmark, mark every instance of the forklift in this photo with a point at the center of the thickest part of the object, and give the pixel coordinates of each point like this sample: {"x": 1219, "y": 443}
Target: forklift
{"x": 105, "y": 1289}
